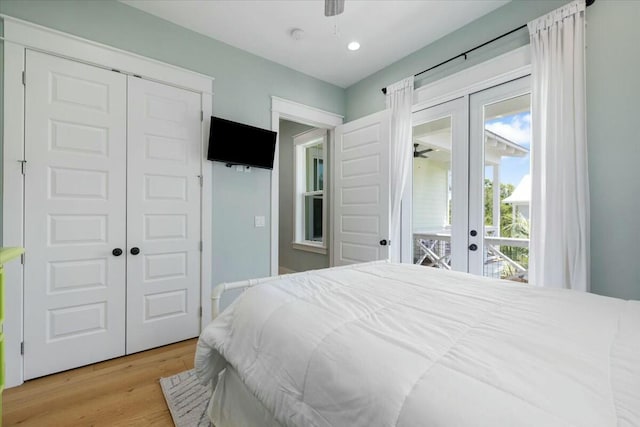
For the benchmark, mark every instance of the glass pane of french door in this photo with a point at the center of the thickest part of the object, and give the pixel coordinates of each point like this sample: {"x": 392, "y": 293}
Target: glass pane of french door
{"x": 500, "y": 185}
{"x": 438, "y": 205}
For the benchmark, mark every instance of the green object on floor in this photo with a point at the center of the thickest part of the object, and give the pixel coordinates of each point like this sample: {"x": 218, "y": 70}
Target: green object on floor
{"x": 6, "y": 254}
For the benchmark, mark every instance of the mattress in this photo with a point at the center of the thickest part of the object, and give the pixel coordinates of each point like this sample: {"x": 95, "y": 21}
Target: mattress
{"x": 383, "y": 344}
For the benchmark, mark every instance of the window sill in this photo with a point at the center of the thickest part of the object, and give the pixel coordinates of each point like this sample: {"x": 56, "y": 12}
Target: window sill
{"x": 310, "y": 247}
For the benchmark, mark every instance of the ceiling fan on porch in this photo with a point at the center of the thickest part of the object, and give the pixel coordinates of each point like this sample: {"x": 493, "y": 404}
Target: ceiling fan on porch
{"x": 333, "y": 7}
{"x": 421, "y": 153}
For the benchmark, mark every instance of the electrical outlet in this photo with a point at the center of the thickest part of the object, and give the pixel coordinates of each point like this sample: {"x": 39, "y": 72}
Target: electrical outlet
{"x": 259, "y": 221}
{"x": 239, "y": 168}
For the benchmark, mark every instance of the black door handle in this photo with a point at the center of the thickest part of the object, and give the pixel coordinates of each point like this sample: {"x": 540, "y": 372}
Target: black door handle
{"x": 473, "y": 247}
{"x": 117, "y": 252}
{"x": 135, "y": 251}
{"x": 383, "y": 242}
{"x": 473, "y": 233}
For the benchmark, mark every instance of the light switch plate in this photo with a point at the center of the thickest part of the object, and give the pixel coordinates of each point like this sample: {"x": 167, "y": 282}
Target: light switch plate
{"x": 259, "y": 221}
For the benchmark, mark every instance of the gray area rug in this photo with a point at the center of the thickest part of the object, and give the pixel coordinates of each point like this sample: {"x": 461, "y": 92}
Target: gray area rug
{"x": 187, "y": 399}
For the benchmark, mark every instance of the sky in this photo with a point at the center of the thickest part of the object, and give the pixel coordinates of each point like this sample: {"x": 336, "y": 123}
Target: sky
{"x": 516, "y": 128}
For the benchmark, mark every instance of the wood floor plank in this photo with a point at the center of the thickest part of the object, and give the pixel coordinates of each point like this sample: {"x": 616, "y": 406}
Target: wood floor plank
{"x": 118, "y": 392}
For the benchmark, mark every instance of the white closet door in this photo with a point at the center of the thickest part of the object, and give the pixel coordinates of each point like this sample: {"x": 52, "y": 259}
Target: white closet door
{"x": 75, "y": 147}
{"x": 361, "y": 212}
{"x": 163, "y": 214}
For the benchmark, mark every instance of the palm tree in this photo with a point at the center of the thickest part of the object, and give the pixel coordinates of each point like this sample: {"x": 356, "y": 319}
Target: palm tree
{"x": 517, "y": 227}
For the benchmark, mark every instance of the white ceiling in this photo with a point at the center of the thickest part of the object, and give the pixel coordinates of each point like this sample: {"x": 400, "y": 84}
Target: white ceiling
{"x": 387, "y": 30}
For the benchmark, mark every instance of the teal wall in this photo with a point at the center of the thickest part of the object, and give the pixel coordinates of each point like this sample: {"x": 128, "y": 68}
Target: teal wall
{"x": 613, "y": 99}
{"x": 613, "y": 113}
{"x": 243, "y": 86}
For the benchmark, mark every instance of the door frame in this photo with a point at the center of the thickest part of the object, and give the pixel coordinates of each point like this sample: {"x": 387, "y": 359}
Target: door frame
{"x": 290, "y": 110}
{"x": 20, "y": 35}
{"x": 493, "y": 72}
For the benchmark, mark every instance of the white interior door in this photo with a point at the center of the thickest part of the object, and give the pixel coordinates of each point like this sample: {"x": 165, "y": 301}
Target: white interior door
{"x": 163, "y": 214}
{"x": 361, "y": 190}
{"x": 75, "y": 147}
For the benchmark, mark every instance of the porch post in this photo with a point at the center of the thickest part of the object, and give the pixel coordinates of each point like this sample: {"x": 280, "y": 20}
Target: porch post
{"x": 496, "y": 198}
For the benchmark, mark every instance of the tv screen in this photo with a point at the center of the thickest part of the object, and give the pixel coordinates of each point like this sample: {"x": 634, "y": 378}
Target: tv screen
{"x": 239, "y": 144}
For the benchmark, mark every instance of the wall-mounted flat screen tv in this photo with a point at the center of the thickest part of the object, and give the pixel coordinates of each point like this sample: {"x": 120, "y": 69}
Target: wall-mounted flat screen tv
{"x": 239, "y": 144}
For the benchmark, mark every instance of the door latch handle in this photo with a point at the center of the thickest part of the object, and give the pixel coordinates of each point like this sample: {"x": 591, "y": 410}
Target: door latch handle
{"x": 135, "y": 251}
{"x": 383, "y": 242}
{"x": 473, "y": 247}
{"x": 117, "y": 252}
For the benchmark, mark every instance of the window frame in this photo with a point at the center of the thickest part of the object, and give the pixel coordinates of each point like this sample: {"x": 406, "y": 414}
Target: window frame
{"x": 301, "y": 143}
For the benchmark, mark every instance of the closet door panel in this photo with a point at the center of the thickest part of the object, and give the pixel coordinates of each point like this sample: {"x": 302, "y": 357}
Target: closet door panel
{"x": 163, "y": 214}
{"x": 75, "y": 147}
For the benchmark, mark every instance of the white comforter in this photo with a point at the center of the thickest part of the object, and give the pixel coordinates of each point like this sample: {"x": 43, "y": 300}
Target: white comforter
{"x": 382, "y": 344}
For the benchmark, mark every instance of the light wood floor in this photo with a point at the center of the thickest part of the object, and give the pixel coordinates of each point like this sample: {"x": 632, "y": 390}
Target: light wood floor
{"x": 118, "y": 392}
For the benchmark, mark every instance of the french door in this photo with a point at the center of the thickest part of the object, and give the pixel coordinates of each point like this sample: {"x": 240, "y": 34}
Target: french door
{"x": 438, "y": 203}
{"x": 499, "y": 184}
{"x": 470, "y": 187}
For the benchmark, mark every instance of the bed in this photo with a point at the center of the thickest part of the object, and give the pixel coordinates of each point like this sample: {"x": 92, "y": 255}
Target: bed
{"x": 383, "y": 344}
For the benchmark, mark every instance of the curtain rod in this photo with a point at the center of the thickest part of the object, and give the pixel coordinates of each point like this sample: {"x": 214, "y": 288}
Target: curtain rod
{"x": 466, "y": 52}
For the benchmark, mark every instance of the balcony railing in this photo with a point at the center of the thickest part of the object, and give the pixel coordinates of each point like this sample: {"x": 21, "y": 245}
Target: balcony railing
{"x": 504, "y": 257}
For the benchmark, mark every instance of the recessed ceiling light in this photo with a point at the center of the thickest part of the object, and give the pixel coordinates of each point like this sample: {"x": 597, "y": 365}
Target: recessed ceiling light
{"x": 353, "y": 46}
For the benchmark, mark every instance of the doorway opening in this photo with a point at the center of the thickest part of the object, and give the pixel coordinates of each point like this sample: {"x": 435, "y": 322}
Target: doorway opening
{"x": 297, "y": 119}
{"x": 303, "y": 203}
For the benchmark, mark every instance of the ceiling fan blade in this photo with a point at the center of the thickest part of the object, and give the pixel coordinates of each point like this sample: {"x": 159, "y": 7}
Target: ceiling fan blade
{"x": 333, "y": 7}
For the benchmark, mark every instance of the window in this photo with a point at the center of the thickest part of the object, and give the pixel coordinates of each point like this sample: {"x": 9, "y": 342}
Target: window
{"x": 309, "y": 207}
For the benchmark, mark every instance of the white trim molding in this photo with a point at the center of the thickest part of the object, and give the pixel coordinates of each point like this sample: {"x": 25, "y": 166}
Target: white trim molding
{"x": 18, "y": 37}
{"x": 13, "y": 208}
{"x": 300, "y": 113}
{"x": 501, "y": 69}
{"x": 301, "y": 143}
{"x": 289, "y": 110}
{"x": 310, "y": 247}
{"x": 206, "y": 217}
{"x": 47, "y": 40}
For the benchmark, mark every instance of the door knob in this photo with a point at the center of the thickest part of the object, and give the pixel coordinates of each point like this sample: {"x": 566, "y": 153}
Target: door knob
{"x": 135, "y": 251}
{"x": 473, "y": 233}
{"x": 383, "y": 242}
{"x": 117, "y": 252}
{"x": 473, "y": 247}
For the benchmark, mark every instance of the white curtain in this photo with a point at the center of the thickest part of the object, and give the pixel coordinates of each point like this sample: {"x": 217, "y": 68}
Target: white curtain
{"x": 399, "y": 100}
{"x": 559, "y": 252}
